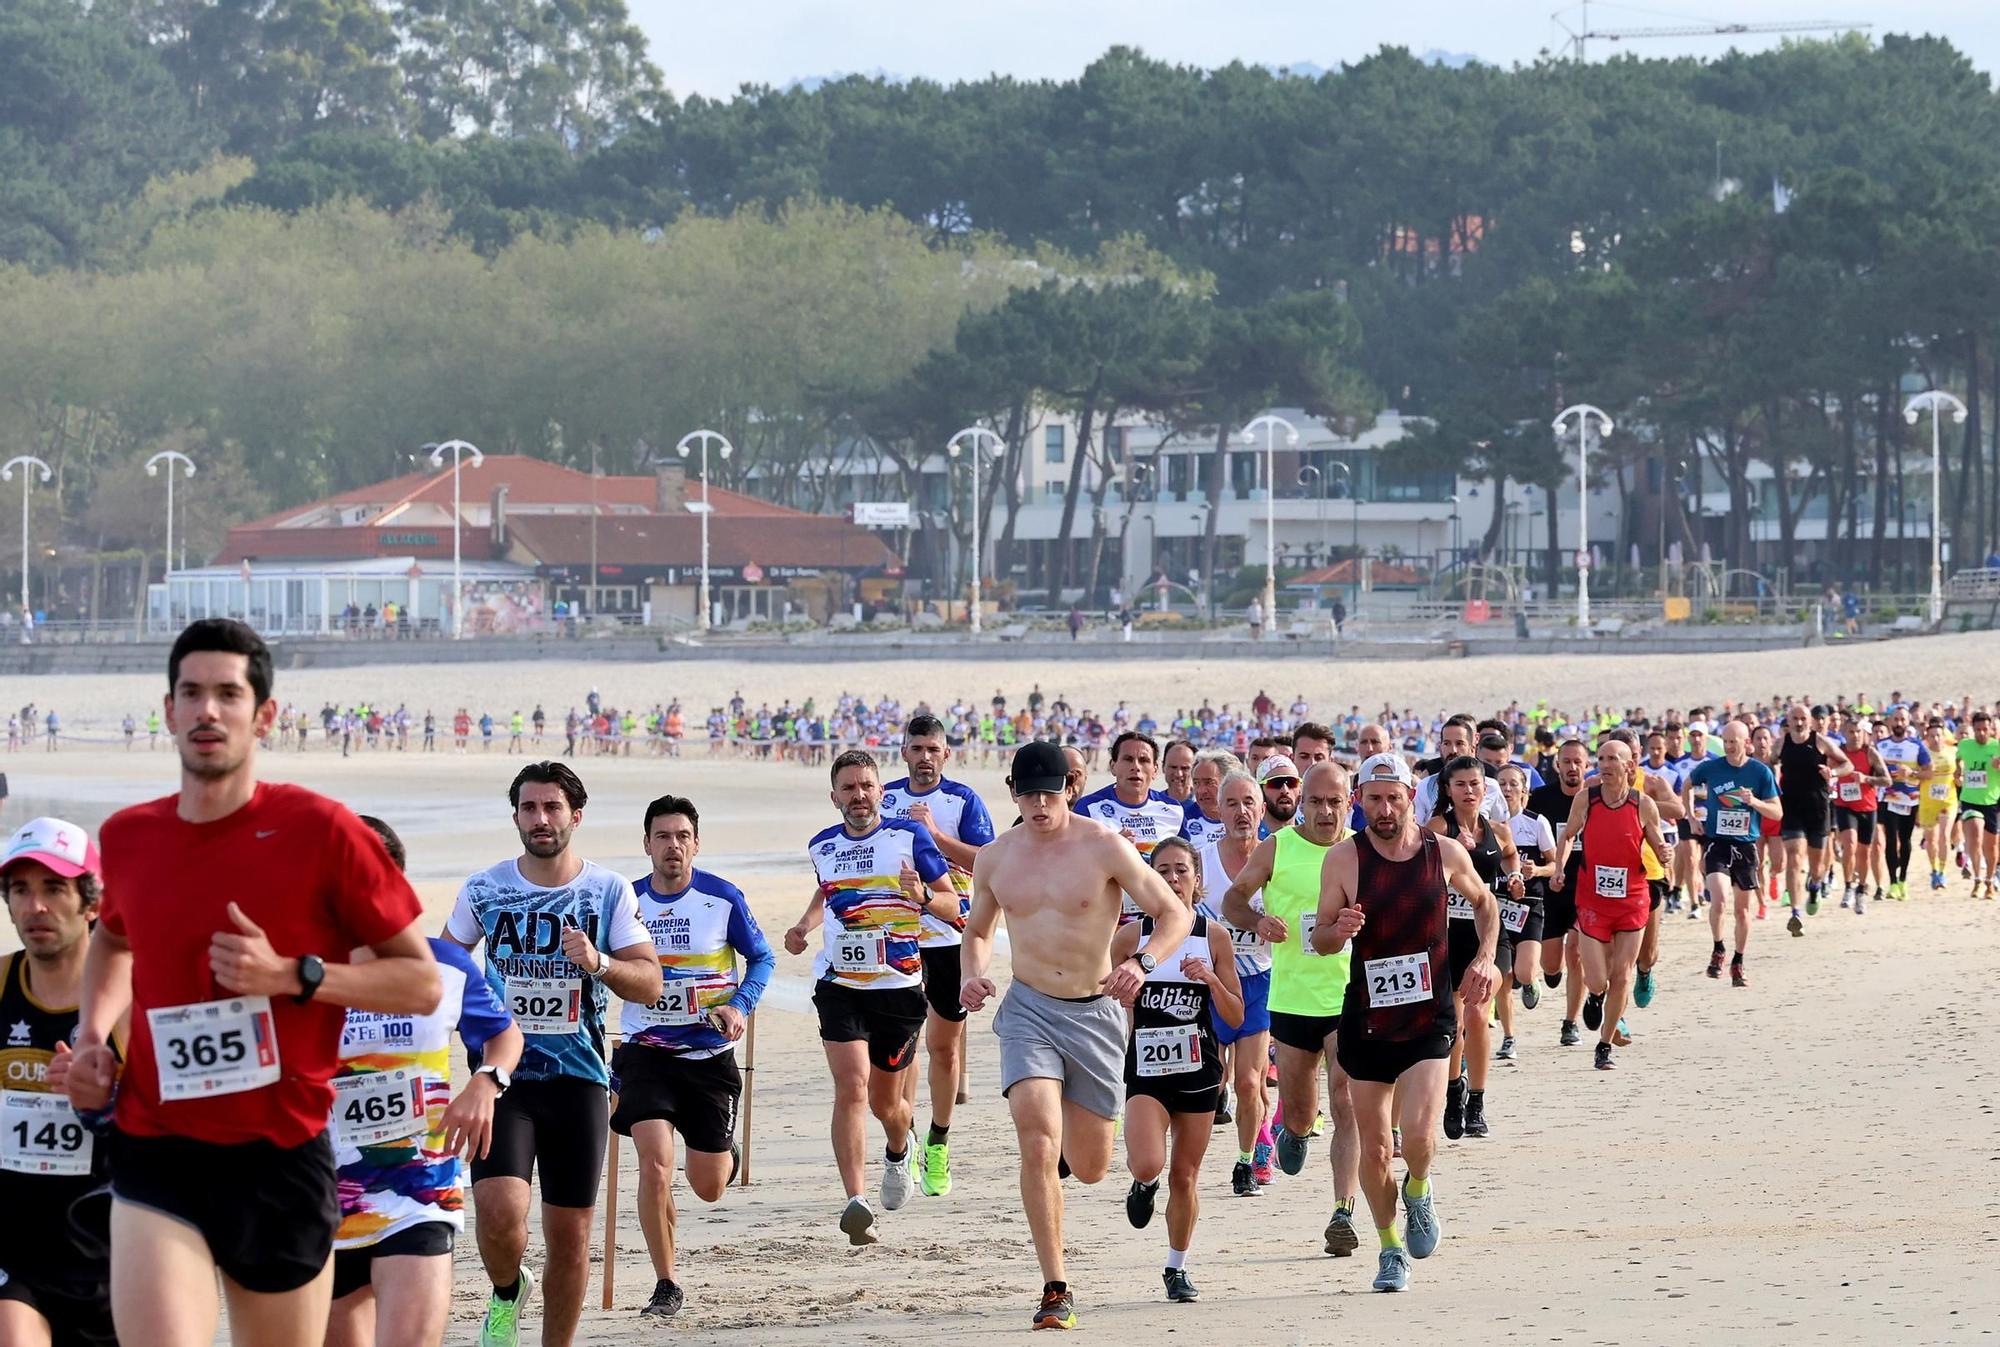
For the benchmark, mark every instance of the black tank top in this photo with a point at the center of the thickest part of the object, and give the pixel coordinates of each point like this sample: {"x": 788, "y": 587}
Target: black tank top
{"x": 1400, "y": 987}
{"x": 38, "y": 1134}
{"x": 1799, "y": 775}
{"x": 1486, "y": 854}
{"x": 1170, "y": 1004}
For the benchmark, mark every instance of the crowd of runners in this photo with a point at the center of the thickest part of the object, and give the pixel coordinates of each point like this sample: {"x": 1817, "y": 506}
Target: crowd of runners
{"x": 1264, "y": 926}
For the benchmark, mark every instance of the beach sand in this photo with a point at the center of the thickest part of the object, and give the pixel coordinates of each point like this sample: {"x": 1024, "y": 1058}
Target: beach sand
{"x": 1751, "y": 1170}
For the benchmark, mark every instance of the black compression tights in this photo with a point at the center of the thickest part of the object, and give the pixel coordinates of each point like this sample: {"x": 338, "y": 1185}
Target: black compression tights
{"x": 1898, "y": 828}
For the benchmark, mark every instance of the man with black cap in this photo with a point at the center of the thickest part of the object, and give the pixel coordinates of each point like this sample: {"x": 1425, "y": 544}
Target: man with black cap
{"x": 1059, "y": 879}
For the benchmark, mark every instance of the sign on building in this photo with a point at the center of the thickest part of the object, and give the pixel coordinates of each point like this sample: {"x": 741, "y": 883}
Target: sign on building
{"x": 882, "y": 514}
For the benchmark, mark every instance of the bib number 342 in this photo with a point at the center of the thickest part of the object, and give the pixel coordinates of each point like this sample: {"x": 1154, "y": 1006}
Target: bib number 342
{"x": 214, "y": 1047}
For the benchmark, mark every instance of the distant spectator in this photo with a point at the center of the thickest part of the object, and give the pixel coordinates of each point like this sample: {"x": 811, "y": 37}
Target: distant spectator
{"x": 1075, "y": 621}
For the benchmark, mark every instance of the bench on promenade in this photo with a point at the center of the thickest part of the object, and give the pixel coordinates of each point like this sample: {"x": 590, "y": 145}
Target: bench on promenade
{"x": 1014, "y": 631}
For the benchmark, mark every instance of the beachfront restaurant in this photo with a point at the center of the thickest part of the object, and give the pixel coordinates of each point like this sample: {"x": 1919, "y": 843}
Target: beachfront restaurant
{"x": 314, "y": 598}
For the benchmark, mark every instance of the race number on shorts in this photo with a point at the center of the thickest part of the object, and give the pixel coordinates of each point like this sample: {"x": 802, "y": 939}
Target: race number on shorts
{"x": 1399, "y": 980}
{"x": 40, "y": 1134}
{"x": 1513, "y": 916}
{"x": 859, "y": 952}
{"x": 214, "y": 1047}
{"x": 1610, "y": 880}
{"x": 1167, "y": 1050}
{"x": 546, "y": 1005}
{"x": 378, "y": 1106}
{"x": 1732, "y": 823}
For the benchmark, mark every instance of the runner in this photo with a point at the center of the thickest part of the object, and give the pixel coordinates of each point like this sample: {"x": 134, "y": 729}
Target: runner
{"x": 1306, "y": 987}
{"x": 561, "y": 932}
{"x": 1461, "y": 795}
{"x": 1908, "y": 759}
{"x": 877, "y": 876}
{"x": 1204, "y": 812}
{"x": 1807, "y": 762}
{"x": 398, "y": 1134}
{"x": 1937, "y": 814}
{"x": 1383, "y": 900}
{"x": 1561, "y": 947}
{"x": 1177, "y": 770}
{"x": 958, "y": 825}
{"x": 1173, "y": 1073}
{"x": 1061, "y": 1027}
{"x": 1279, "y": 783}
{"x": 676, "y": 1070}
{"x": 1722, "y": 797}
{"x": 1130, "y": 805}
{"x": 1519, "y": 951}
{"x": 236, "y": 1008}
{"x": 1978, "y": 785}
{"x": 1616, "y": 823}
{"x": 55, "y": 1275}
{"x": 1248, "y": 1037}
{"x": 1855, "y": 809}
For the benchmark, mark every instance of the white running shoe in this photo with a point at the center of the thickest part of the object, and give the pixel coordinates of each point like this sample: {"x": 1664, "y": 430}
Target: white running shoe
{"x": 897, "y": 1183}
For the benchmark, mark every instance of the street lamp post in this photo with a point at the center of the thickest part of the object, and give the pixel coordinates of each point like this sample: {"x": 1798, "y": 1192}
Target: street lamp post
{"x": 1270, "y": 423}
{"x": 723, "y": 448}
{"x": 1582, "y": 411}
{"x": 1935, "y": 401}
{"x": 459, "y": 449}
{"x": 981, "y": 442}
{"x": 169, "y": 457}
{"x": 24, "y": 462}
{"x": 1319, "y": 481}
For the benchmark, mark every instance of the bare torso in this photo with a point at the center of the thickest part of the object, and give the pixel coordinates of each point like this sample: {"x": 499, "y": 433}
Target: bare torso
{"x": 1061, "y": 903}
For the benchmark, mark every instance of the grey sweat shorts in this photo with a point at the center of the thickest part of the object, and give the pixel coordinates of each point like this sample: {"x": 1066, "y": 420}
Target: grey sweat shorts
{"x": 1080, "y": 1043}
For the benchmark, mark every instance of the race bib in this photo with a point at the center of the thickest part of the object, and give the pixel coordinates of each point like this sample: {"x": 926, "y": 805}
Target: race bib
{"x": 377, "y": 1106}
{"x": 1246, "y": 942}
{"x": 1307, "y": 922}
{"x": 680, "y": 1005}
{"x": 1610, "y": 880}
{"x": 40, "y": 1134}
{"x": 1938, "y": 790}
{"x": 1670, "y": 833}
{"x": 859, "y": 952}
{"x": 1127, "y": 909}
{"x": 546, "y": 1005}
{"x": 1901, "y": 804}
{"x": 1732, "y": 823}
{"x": 1169, "y": 1050}
{"x": 1457, "y": 905}
{"x": 1975, "y": 780}
{"x": 1399, "y": 980}
{"x": 214, "y": 1047}
{"x": 1513, "y": 916}
{"x": 1850, "y": 792}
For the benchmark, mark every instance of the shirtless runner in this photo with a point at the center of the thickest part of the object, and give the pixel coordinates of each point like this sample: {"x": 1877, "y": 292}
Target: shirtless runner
{"x": 1061, "y": 1027}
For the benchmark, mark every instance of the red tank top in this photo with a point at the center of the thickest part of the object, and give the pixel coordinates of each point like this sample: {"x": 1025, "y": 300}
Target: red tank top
{"x": 1613, "y": 837}
{"x": 1400, "y": 988}
{"x": 1850, "y": 791}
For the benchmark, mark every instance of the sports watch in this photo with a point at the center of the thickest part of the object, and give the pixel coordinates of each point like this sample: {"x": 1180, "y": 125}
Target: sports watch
{"x": 312, "y": 972}
{"x": 1146, "y": 962}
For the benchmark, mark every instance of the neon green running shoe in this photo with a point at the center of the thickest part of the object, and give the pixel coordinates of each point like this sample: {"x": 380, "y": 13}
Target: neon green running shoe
{"x": 937, "y": 1169}
{"x": 503, "y": 1317}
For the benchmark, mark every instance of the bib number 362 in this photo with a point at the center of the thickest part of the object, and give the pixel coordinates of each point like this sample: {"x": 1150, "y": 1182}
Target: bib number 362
{"x": 1399, "y": 980}
{"x": 214, "y": 1047}
{"x": 39, "y": 1134}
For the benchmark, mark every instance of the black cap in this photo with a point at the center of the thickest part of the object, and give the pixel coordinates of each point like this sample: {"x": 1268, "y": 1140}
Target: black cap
{"x": 1039, "y": 767}
{"x": 1492, "y": 740}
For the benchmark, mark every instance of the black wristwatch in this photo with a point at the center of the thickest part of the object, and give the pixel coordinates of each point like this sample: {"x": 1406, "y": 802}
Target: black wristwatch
{"x": 1146, "y": 962}
{"x": 312, "y": 972}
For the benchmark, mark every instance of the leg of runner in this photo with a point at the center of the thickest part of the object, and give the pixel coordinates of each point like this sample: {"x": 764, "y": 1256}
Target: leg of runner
{"x": 406, "y": 1304}
{"x": 858, "y": 1090}
{"x": 160, "y": 1258}
{"x": 1248, "y": 1059}
{"x": 654, "y": 1140}
{"x": 1190, "y": 1133}
{"x": 1573, "y": 964}
{"x": 566, "y": 1236}
{"x": 1476, "y": 1038}
{"x": 500, "y": 1223}
{"x": 1742, "y": 933}
{"x": 1053, "y": 1130}
{"x": 1718, "y": 902}
{"x": 1610, "y": 967}
{"x": 1146, "y": 1138}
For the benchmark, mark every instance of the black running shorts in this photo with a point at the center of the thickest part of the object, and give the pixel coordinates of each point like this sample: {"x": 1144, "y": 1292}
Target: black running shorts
{"x": 888, "y": 1019}
{"x": 1860, "y": 822}
{"x": 943, "y": 981}
{"x": 697, "y": 1097}
{"x": 1383, "y": 1061}
{"x": 78, "y": 1314}
{"x": 1733, "y": 857}
{"x": 557, "y": 1125}
{"x": 1303, "y": 1033}
{"x": 354, "y": 1269}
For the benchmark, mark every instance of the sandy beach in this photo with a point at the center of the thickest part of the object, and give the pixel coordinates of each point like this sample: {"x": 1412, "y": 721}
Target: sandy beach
{"x": 1747, "y": 1172}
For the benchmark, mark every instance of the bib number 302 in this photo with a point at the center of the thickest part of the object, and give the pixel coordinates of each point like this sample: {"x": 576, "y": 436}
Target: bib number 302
{"x": 214, "y": 1047}
{"x": 546, "y": 1005}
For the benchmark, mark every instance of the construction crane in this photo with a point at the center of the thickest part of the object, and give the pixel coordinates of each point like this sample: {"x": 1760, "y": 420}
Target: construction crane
{"x": 1583, "y": 33}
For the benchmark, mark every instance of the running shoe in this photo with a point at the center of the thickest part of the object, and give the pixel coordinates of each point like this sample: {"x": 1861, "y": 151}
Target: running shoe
{"x": 1530, "y": 996}
{"x": 1223, "y": 1117}
{"x": 1847, "y": 898}
{"x": 1621, "y": 1037}
{"x": 936, "y": 1169}
{"x": 1242, "y": 1182}
{"x": 1795, "y": 925}
{"x": 1812, "y": 902}
{"x": 1291, "y": 1149}
{"x": 1937, "y": 879}
{"x": 1421, "y": 1230}
{"x": 1642, "y": 989}
{"x": 1603, "y": 1061}
{"x": 667, "y": 1300}
{"x": 1694, "y": 911}
{"x": 1552, "y": 980}
{"x": 1341, "y": 1237}
{"x": 503, "y": 1317}
{"x": 1139, "y": 1199}
{"x": 1858, "y": 900}
{"x": 1964, "y": 866}
{"x": 1319, "y": 1125}
{"x": 1179, "y": 1289}
{"x": 1396, "y": 1142}
{"x": 1475, "y": 1116}
{"x": 1506, "y": 1050}
{"x": 1736, "y": 978}
{"x": 1392, "y": 1270}
{"x": 1570, "y": 1036}
{"x": 897, "y": 1181}
{"x": 1593, "y": 1011}
{"x": 857, "y": 1222}
{"x": 1454, "y": 1108}
{"x": 1260, "y": 1163}
{"x": 1715, "y": 964}
{"x": 1058, "y": 1310}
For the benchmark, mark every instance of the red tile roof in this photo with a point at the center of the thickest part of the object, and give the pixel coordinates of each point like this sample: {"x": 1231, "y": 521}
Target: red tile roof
{"x": 1380, "y": 573}
{"x": 675, "y": 540}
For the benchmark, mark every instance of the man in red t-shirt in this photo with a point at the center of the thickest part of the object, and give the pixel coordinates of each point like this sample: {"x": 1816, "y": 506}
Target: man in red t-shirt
{"x": 230, "y": 948}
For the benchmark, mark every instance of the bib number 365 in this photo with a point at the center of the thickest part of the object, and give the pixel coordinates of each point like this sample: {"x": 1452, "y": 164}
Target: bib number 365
{"x": 214, "y": 1047}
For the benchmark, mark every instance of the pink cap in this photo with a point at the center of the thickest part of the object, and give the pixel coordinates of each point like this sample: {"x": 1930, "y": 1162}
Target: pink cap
{"x": 63, "y": 847}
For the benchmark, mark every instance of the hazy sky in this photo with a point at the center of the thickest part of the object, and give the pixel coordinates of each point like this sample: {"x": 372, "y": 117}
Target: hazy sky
{"x": 711, "y": 48}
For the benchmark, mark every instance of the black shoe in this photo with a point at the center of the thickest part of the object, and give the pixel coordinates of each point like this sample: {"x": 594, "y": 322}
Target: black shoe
{"x": 1139, "y": 1203}
{"x": 1242, "y": 1182}
{"x": 1179, "y": 1288}
{"x": 1715, "y": 964}
{"x": 1223, "y": 1117}
{"x": 1570, "y": 1036}
{"x": 1593, "y": 1012}
{"x": 1604, "y": 1062}
{"x": 667, "y": 1300}
{"x": 1554, "y": 979}
{"x": 1475, "y": 1115}
{"x": 1454, "y": 1108}
{"x": 1062, "y": 1167}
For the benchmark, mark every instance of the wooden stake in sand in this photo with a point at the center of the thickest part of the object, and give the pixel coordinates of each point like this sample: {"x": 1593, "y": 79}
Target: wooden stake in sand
{"x": 610, "y": 1209}
{"x": 749, "y": 1094}
{"x": 964, "y": 1051}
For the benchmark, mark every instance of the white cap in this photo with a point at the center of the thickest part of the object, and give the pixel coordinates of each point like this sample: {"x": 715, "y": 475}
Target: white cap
{"x": 1276, "y": 765}
{"x": 61, "y": 846}
{"x": 1385, "y": 767}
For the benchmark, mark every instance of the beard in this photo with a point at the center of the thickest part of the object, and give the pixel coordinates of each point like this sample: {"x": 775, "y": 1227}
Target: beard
{"x": 546, "y": 844}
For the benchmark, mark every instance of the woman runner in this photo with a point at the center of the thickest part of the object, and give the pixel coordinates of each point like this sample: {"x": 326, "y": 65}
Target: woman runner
{"x": 1461, "y": 792}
